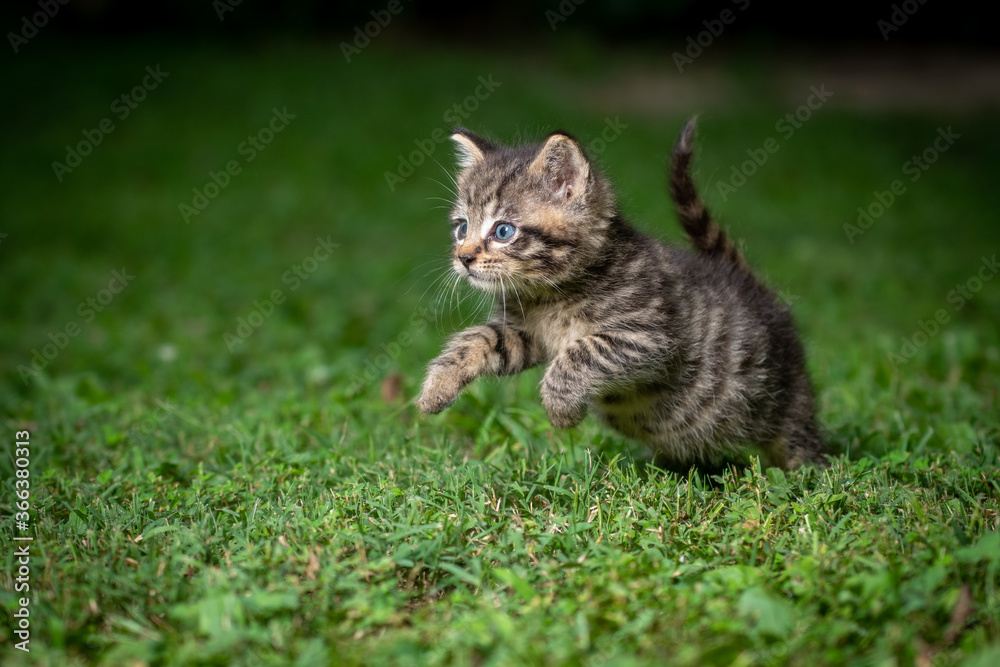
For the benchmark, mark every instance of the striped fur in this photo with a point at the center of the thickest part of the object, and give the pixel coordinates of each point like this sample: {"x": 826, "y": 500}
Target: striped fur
{"x": 686, "y": 352}
{"x": 705, "y": 234}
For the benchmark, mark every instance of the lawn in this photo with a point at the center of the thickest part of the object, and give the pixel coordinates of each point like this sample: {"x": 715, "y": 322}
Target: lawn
{"x": 215, "y": 323}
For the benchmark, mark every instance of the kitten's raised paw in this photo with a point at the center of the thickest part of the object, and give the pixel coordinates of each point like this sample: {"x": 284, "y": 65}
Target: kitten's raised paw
{"x": 439, "y": 392}
{"x": 432, "y": 402}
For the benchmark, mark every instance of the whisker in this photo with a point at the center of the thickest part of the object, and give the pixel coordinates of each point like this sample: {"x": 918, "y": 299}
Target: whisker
{"x": 437, "y": 258}
{"x": 450, "y": 175}
{"x": 516, "y": 296}
{"x": 420, "y": 266}
{"x": 439, "y": 280}
{"x": 455, "y": 286}
{"x": 453, "y": 192}
{"x": 503, "y": 300}
{"x": 465, "y": 317}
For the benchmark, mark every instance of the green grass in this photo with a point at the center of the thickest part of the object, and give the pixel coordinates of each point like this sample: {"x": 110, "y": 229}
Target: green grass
{"x": 197, "y": 505}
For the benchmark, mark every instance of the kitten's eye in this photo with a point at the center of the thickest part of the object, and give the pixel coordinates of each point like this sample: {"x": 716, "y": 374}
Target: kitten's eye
{"x": 462, "y": 229}
{"x": 504, "y": 231}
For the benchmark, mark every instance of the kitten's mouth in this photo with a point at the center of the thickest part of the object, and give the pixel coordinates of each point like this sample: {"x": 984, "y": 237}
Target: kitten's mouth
{"x": 482, "y": 282}
{"x": 479, "y": 280}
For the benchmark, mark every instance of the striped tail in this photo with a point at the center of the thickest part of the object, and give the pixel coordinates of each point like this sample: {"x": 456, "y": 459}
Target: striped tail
{"x": 705, "y": 233}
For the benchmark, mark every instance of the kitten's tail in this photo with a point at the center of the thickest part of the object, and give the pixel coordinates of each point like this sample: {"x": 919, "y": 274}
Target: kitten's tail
{"x": 705, "y": 233}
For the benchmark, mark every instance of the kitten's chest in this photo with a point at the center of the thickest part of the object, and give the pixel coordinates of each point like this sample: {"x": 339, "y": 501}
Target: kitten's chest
{"x": 555, "y": 327}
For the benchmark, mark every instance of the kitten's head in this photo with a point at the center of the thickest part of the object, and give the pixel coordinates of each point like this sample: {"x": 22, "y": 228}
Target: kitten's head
{"x": 531, "y": 217}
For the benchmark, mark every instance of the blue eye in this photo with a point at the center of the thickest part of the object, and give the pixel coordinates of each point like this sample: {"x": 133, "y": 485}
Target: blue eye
{"x": 462, "y": 230}
{"x": 504, "y": 231}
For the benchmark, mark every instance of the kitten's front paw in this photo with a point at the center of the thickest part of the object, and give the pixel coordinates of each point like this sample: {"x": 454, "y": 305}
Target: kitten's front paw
{"x": 564, "y": 410}
{"x": 440, "y": 390}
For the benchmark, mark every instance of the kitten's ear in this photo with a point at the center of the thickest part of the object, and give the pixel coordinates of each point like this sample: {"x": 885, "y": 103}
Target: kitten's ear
{"x": 471, "y": 148}
{"x": 562, "y": 164}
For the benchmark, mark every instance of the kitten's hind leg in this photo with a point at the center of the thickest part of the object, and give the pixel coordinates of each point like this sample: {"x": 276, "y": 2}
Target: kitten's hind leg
{"x": 775, "y": 454}
{"x": 790, "y": 452}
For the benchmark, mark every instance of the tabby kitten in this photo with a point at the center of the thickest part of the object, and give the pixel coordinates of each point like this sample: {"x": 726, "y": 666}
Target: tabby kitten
{"x": 686, "y": 352}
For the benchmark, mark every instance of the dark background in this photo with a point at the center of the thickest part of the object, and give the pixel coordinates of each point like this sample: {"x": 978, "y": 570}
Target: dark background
{"x": 519, "y": 22}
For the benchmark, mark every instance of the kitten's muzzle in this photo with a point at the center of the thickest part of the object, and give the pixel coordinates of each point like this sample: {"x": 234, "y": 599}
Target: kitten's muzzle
{"x": 467, "y": 260}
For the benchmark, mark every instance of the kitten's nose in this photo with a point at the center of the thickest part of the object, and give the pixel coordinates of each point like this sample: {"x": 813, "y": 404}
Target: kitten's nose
{"x": 467, "y": 259}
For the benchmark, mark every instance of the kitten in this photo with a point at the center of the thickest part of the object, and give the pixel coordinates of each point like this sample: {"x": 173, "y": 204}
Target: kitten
{"x": 686, "y": 352}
